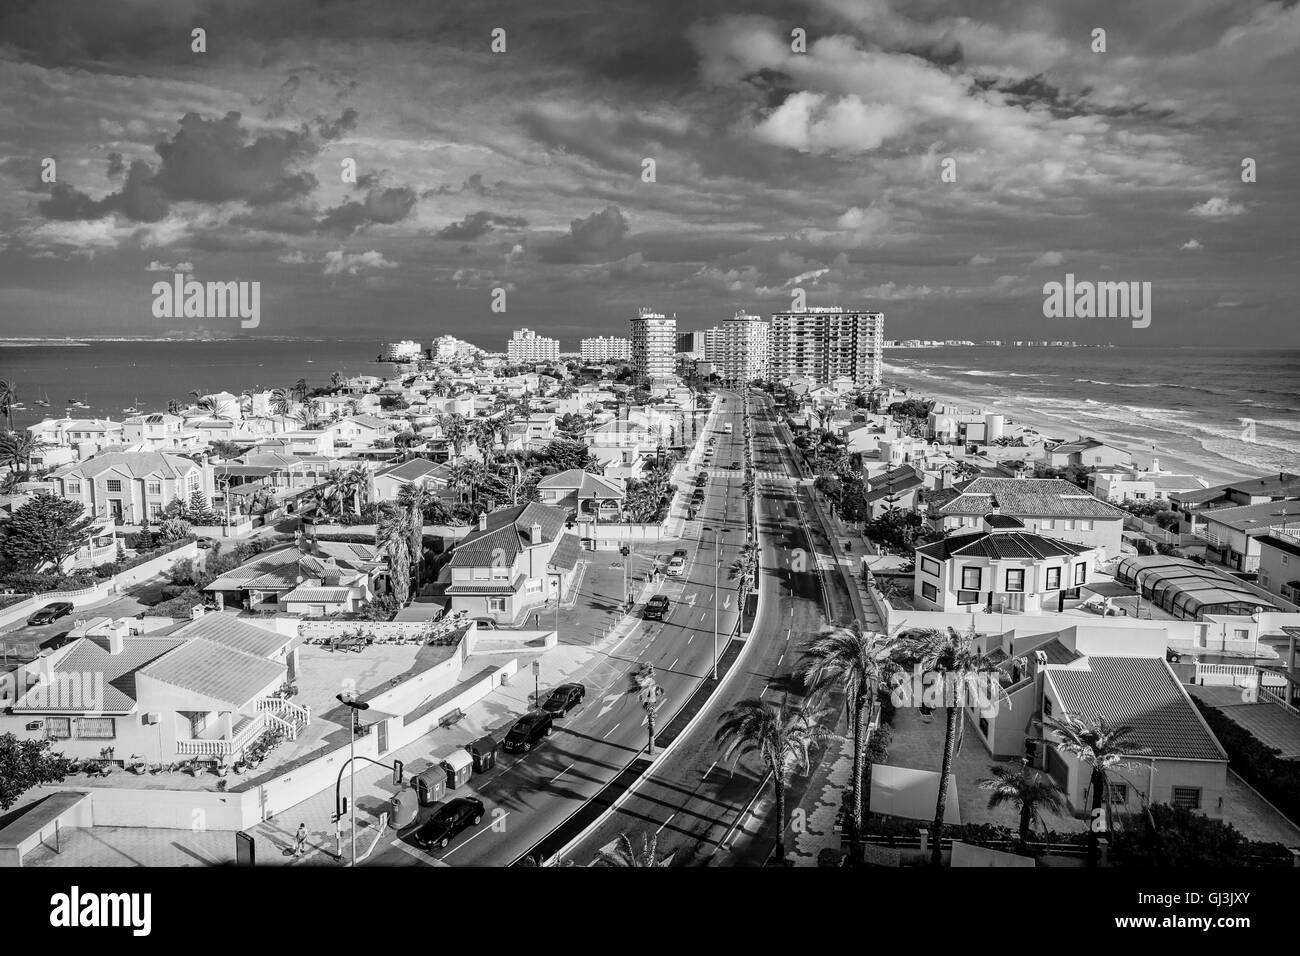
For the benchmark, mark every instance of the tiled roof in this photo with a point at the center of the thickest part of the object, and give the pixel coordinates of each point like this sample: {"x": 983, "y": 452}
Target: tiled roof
{"x": 1277, "y": 485}
{"x": 1143, "y": 693}
{"x": 216, "y": 671}
{"x": 501, "y": 587}
{"x": 566, "y": 553}
{"x": 507, "y": 534}
{"x": 585, "y": 482}
{"x": 414, "y": 470}
{"x": 90, "y": 656}
{"x": 1001, "y": 544}
{"x": 322, "y": 595}
{"x": 140, "y": 464}
{"x": 1071, "y": 447}
{"x": 1256, "y": 518}
{"x": 1032, "y": 497}
{"x": 227, "y": 628}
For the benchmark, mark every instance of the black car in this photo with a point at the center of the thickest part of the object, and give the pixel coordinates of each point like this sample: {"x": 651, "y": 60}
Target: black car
{"x": 448, "y": 820}
{"x": 656, "y": 608}
{"x": 679, "y": 553}
{"x": 564, "y": 698}
{"x": 528, "y": 730}
{"x": 51, "y": 613}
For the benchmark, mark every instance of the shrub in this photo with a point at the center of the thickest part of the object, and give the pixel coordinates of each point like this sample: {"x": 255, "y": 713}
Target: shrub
{"x": 1260, "y": 765}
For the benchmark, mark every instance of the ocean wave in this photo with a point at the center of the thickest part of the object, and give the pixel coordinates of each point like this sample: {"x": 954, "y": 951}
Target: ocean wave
{"x": 1283, "y": 424}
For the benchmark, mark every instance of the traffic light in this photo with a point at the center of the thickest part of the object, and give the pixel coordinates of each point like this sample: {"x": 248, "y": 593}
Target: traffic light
{"x": 397, "y": 773}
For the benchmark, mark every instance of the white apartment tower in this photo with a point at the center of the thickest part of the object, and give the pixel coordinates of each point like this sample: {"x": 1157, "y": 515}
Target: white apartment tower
{"x": 827, "y": 343}
{"x": 606, "y": 348}
{"x": 526, "y": 347}
{"x": 403, "y": 351}
{"x": 654, "y": 347}
{"x": 743, "y": 349}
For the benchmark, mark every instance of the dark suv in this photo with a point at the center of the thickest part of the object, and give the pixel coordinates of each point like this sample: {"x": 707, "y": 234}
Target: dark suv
{"x": 656, "y": 608}
{"x": 528, "y": 730}
{"x": 448, "y": 820}
{"x": 563, "y": 699}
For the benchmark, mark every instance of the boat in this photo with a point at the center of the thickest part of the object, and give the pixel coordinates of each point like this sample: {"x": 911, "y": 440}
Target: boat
{"x": 43, "y": 402}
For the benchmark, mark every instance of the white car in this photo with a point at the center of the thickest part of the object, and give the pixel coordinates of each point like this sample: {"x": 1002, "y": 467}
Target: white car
{"x": 677, "y": 565}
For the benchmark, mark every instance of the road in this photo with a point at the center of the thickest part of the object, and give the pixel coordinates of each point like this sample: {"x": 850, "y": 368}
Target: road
{"x": 695, "y": 804}
{"x": 527, "y": 796}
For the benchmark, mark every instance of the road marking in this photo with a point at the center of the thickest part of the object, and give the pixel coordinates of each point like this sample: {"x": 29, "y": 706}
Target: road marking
{"x": 562, "y": 773}
{"x": 780, "y": 659}
{"x": 704, "y": 615}
{"x": 610, "y": 731}
{"x": 710, "y": 770}
{"x": 486, "y": 829}
{"x": 666, "y": 822}
{"x": 674, "y": 663}
{"x": 608, "y": 701}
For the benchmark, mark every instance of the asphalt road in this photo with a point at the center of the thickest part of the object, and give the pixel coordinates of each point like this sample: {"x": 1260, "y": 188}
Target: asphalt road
{"x": 529, "y": 795}
{"x": 696, "y": 805}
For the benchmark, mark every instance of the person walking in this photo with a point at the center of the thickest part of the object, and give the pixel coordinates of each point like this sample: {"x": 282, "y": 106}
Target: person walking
{"x": 300, "y": 840}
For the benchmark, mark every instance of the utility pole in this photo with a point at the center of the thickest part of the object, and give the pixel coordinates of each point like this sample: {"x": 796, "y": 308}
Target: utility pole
{"x": 356, "y": 707}
{"x": 717, "y": 559}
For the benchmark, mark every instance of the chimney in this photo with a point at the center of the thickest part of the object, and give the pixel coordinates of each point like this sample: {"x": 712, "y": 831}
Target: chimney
{"x": 196, "y": 612}
{"x": 482, "y": 520}
{"x": 117, "y": 632}
{"x": 535, "y": 533}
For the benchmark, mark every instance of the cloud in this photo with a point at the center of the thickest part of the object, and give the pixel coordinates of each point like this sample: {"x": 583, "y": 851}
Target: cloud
{"x": 1191, "y": 244}
{"x": 587, "y": 235}
{"x": 1217, "y": 207}
{"x": 815, "y": 122}
{"x": 339, "y": 262}
{"x": 294, "y": 258}
{"x": 1048, "y": 259}
{"x": 980, "y": 260}
{"x": 381, "y": 206}
{"x": 156, "y": 266}
{"x": 479, "y": 224}
{"x": 337, "y": 129}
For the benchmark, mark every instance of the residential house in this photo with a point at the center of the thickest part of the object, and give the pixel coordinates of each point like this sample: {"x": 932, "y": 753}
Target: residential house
{"x": 515, "y": 561}
{"x": 314, "y": 579}
{"x": 1001, "y": 567}
{"x": 433, "y": 476}
{"x": 301, "y": 443}
{"x": 1279, "y": 564}
{"x": 899, "y": 487}
{"x": 1050, "y": 506}
{"x": 584, "y": 495}
{"x": 1135, "y": 484}
{"x": 1193, "y": 505}
{"x": 130, "y": 487}
{"x": 205, "y": 690}
{"x": 159, "y": 431}
{"x": 1087, "y": 453}
{"x": 65, "y": 440}
{"x": 360, "y": 431}
{"x": 1232, "y": 535}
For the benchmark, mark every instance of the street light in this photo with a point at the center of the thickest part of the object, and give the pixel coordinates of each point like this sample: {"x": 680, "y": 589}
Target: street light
{"x": 717, "y": 556}
{"x": 356, "y": 707}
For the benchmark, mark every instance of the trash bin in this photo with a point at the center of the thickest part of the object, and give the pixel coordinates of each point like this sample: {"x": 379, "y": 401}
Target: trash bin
{"x": 403, "y": 808}
{"x": 457, "y": 766}
{"x": 483, "y": 752}
{"x": 430, "y": 785}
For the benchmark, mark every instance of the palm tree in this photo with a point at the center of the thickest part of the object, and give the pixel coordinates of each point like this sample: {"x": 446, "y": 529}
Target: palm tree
{"x": 298, "y": 392}
{"x": 857, "y": 662}
{"x": 7, "y": 395}
{"x": 16, "y": 450}
{"x": 453, "y": 430}
{"x": 393, "y": 537}
{"x": 415, "y": 498}
{"x": 482, "y": 431}
{"x": 336, "y": 379}
{"x": 651, "y": 694}
{"x": 624, "y": 854}
{"x": 1028, "y": 791}
{"x": 783, "y": 738}
{"x": 357, "y": 481}
{"x": 1100, "y": 745}
{"x": 951, "y": 656}
{"x": 281, "y": 404}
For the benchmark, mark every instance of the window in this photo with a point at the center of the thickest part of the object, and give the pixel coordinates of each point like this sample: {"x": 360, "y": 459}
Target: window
{"x": 534, "y": 585}
{"x": 497, "y": 605}
{"x": 154, "y": 487}
{"x": 930, "y": 567}
{"x": 1085, "y": 525}
{"x": 1241, "y": 634}
{"x": 500, "y": 572}
{"x": 482, "y": 574}
{"x": 968, "y": 597}
{"x": 1047, "y": 524}
{"x": 155, "y": 509}
{"x": 970, "y": 579}
{"x": 60, "y": 728}
{"x": 1285, "y": 559}
{"x": 113, "y": 484}
{"x": 1188, "y": 798}
{"x": 96, "y": 728}
{"x": 1069, "y": 524}
{"x": 1119, "y": 793}
{"x": 74, "y": 487}
{"x": 984, "y": 728}
{"x": 1047, "y": 707}
{"x": 1053, "y": 579}
{"x": 929, "y": 591}
{"x": 1080, "y": 574}
{"x": 1015, "y": 579}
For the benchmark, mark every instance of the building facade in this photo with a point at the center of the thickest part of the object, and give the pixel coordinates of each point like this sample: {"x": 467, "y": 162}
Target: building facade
{"x": 823, "y": 344}
{"x": 526, "y": 346}
{"x": 606, "y": 348}
{"x": 744, "y": 349}
{"x": 403, "y": 351}
{"x": 654, "y": 347}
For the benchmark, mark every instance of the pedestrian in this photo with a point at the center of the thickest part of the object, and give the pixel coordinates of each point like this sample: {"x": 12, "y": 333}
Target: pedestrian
{"x": 300, "y": 840}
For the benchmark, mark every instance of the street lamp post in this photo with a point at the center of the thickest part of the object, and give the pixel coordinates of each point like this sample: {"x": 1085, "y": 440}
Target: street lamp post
{"x": 356, "y": 707}
{"x": 717, "y": 557}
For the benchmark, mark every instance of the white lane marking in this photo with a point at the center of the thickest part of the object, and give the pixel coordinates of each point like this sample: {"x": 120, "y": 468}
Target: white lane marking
{"x": 608, "y": 701}
{"x": 610, "y": 731}
{"x": 704, "y": 615}
{"x": 562, "y": 773}
{"x": 487, "y": 829}
{"x": 710, "y": 770}
{"x": 666, "y": 822}
{"x": 780, "y": 659}
{"x": 674, "y": 663}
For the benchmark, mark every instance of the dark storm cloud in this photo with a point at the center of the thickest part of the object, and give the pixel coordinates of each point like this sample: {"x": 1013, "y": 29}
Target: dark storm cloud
{"x": 479, "y": 224}
{"x": 115, "y": 165}
{"x": 336, "y": 129}
{"x": 219, "y": 161}
{"x": 591, "y": 234}
{"x": 292, "y": 220}
{"x": 381, "y": 206}
{"x": 139, "y": 199}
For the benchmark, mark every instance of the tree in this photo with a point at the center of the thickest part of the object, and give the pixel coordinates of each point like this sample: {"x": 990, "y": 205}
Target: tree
{"x": 454, "y": 431}
{"x": 227, "y": 449}
{"x": 393, "y": 538}
{"x": 625, "y": 854}
{"x": 16, "y": 450}
{"x": 46, "y": 530}
{"x": 856, "y": 662}
{"x": 197, "y": 511}
{"x": 415, "y": 499}
{"x": 25, "y": 764}
{"x": 174, "y": 529}
{"x": 7, "y": 395}
{"x": 951, "y": 656}
{"x": 651, "y": 695}
{"x": 1101, "y": 746}
{"x": 1027, "y": 791}
{"x": 782, "y": 737}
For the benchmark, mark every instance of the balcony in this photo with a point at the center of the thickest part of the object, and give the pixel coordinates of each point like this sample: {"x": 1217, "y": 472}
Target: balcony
{"x": 244, "y": 732}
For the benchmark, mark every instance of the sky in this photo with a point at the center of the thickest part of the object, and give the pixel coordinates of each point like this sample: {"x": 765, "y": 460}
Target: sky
{"x": 825, "y": 165}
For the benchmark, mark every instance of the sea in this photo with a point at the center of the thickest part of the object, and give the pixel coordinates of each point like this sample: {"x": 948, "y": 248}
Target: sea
{"x": 1219, "y": 412}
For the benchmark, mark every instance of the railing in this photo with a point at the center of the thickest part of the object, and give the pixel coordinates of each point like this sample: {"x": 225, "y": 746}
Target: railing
{"x": 1269, "y": 695}
{"x": 223, "y": 747}
{"x": 288, "y": 715}
{"x": 1230, "y": 675}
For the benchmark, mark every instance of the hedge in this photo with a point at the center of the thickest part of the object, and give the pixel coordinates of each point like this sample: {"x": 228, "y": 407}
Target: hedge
{"x": 1260, "y": 765}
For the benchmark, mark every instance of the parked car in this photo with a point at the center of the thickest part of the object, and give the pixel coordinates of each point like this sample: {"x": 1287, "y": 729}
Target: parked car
{"x": 205, "y": 543}
{"x": 679, "y": 553}
{"x": 448, "y": 820}
{"x": 676, "y": 565}
{"x": 528, "y": 730}
{"x": 50, "y": 613}
{"x": 656, "y": 609}
{"x": 485, "y": 623}
{"x": 564, "y": 698}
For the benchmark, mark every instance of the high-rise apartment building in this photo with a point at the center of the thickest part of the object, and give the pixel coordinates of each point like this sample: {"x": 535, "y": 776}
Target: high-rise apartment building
{"x": 824, "y": 344}
{"x": 526, "y": 346}
{"x": 654, "y": 347}
{"x": 743, "y": 346}
{"x": 403, "y": 351}
{"x": 606, "y": 348}
{"x": 448, "y": 347}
